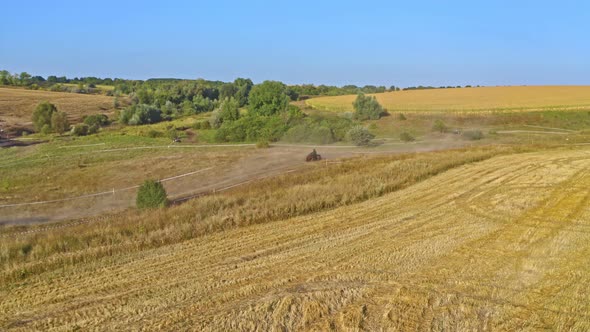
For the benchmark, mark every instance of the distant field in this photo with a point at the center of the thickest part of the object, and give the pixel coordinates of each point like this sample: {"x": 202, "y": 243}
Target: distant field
{"x": 17, "y": 105}
{"x": 501, "y": 244}
{"x": 98, "y": 86}
{"x": 470, "y": 99}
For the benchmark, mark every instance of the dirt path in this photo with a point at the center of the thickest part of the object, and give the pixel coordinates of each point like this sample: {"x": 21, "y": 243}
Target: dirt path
{"x": 498, "y": 245}
{"x": 256, "y": 164}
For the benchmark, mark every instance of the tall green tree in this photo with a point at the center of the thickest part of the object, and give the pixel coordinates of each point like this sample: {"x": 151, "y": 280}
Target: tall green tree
{"x": 268, "y": 98}
{"x": 42, "y": 115}
{"x": 244, "y": 86}
{"x": 229, "y": 110}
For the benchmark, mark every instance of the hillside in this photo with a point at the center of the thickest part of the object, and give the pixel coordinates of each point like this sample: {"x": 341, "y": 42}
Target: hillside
{"x": 500, "y": 244}
{"x": 17, "y": 105}
{"x": 514, "y": 98}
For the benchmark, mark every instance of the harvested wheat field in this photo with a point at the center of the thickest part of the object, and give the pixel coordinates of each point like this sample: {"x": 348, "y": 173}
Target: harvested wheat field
{"x": 17, "y": 105}
{"x": 512, "y": 98}
{"x": 503, "y": 244}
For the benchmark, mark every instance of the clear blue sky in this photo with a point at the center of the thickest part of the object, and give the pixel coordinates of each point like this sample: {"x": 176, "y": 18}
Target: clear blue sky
{"x": 333, "y": 42}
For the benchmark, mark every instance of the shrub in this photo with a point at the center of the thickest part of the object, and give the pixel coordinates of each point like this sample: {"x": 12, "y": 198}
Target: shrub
{"x": 252, "y": 128}
{"x": 172, "y": 133}
{"x": 406, "y": 137}
{"x": 473, "y": 135}
{"x": 59, "y": 122}
{"x": 42, "y": 115}
{"x": 46, "y": 129}
{"x": 401, "y": 117}
{"x": 440, "y": 126}
{"x": 140, "y": 114}
{"x": 201, "y": 125}
{"x": 151, "y": 195}
{"x": 229, "y": 110}
{"x": 367, "y": 108}
{"x": 310, "y": 133}
{"x": 96, "y": 119}
{"x": 93, "y": 129}
{"x": 80, "y": 129}
{"x": 262, "y": 145}
{"x": 154, "y": 134}
{"x": 360, "y": 136}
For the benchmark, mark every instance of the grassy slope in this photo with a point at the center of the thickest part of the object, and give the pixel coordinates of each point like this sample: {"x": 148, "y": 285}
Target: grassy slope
{"x": 500, "y": 244}
{"x": 17, "y": 105}
{"x": 470, "y": 99}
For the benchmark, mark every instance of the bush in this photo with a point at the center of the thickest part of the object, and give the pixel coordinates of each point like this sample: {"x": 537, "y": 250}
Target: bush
{"x": 151, "y": 195}
{"x": 360, "y": 136}
{"x": 172, "y": 133}
{"x": 154, "y": 134}
{"x": 80, "y": 129}
{"x": 367, "y": 108}
{"x": 46, "y": 129}
{"x": 252, "y": 128}
{"x": 401, "y": 117}
{"x": 99, "y": 120}
{"x": 140, "y": 114}
{"x": 310, "y": 133}
{"x": 93, "y": 129}
{"x": 473, "y": 135}
{"x": 406, "y": 137}
{"x": 42, "y": 115}
{"x": 440, "y": 126}
{"x": 229, "y": 110}
{"x": 201, "y": 125}
{"x": 262, "y": 145}
{"x": 59, "y": 122}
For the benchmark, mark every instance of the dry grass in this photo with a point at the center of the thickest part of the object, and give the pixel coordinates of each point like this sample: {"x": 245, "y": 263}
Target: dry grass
{"x": 17, "y": 105}
{"x": 276, "y": 198}
{"x": 501, "y": 244}
{"x": 470, "y": 99}
{"x": 497, "y": 245}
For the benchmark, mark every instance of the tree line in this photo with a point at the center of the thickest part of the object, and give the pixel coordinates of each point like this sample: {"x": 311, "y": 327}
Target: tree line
{"x": 211, "y": 89}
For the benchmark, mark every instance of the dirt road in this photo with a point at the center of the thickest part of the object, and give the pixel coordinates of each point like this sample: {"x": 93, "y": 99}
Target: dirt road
{"x": 253, "y": 165}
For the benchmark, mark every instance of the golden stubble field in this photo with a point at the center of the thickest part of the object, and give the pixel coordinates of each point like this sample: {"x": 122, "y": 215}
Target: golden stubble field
{"x": 513, "y": 98}
{"x": 503, "y": 244}
{"x": 17, "y": 105}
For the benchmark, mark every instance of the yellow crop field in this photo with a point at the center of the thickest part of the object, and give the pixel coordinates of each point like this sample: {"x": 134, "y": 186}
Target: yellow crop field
{"x": 17, "y": 105}
{"x": 501, "y": 244}
{"x": 512, "y": 98}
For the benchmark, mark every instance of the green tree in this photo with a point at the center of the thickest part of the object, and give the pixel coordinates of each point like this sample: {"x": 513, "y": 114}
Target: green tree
{"x": 366, "y": 108}
{"x": 360, "y": 135}
{"x": 42, "y": 115}
{"x": 59, "y": 122}
{"x": 268, "y": 98}
{"x": 151, "y": 195}
{"x": 227, "y": 91}
{"x": 24, "y": 78}
{"x": 244, "y": 86}
{"x": 229, "y": 110}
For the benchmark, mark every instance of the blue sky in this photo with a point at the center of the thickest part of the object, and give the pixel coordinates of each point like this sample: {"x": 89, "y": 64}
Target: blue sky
{"x": 332, "y": 42}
